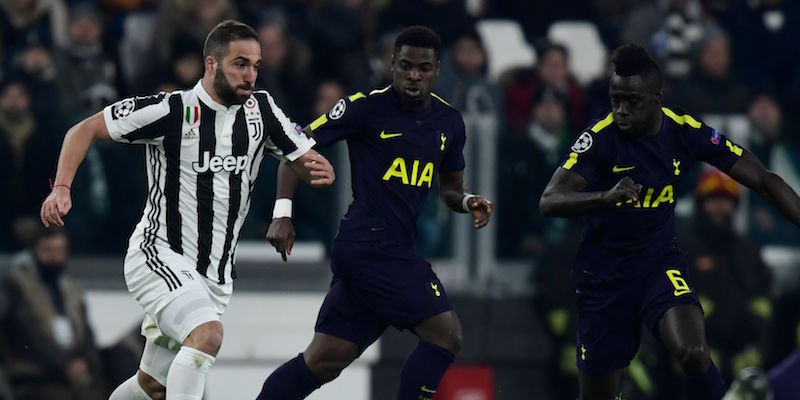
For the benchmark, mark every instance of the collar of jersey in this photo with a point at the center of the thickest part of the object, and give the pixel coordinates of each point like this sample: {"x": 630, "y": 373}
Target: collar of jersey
{"x": 207, "y": 100}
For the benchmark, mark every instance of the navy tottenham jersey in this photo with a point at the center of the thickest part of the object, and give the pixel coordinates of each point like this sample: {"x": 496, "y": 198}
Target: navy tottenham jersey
{"x": 622, "y": 240}
{"x": 395, "y": 154}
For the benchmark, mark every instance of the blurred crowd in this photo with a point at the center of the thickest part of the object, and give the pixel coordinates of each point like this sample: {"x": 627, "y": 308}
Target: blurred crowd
{"x": 736, "y": 62}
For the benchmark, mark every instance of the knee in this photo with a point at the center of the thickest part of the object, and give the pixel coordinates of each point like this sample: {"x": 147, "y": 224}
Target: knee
{"x": 455, "y": 341}
{"x": 155, "y": 390}
{"x": 694, "y": 360}
{"x": 327, "y": 366}
{"x": 206, "y": 338}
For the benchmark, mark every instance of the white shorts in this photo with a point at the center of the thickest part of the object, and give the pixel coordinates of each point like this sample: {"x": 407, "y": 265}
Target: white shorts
{"x": 176, "y": 299}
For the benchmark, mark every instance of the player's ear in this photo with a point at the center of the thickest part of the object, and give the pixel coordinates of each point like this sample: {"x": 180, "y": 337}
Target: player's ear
{"x": 392, "y": 67}
{"x": 209, "y": 64}
{"x": 660, "y": 95}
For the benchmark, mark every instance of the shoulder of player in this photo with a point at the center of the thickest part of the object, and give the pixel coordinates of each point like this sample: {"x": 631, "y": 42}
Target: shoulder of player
{"x": 681, "y": 119}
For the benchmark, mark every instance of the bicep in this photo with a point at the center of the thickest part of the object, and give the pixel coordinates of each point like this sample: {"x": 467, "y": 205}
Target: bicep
{"x": 97, "y": 125}
{"x": 565, "y": 180}
{"x": 749, "y": 171}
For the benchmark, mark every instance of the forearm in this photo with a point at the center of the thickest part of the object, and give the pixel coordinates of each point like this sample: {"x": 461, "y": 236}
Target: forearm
{"x": 782, "y": 197}
{"x": 73, "y": 151}
{"x": 287, "y": 182}
{"x": 569, "y": 203}
{"x": 454, "y": 199}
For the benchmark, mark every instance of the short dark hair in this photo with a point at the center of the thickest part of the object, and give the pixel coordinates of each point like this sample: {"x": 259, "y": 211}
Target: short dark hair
{"x": 418, "y": 36}
{"x": 223, "y": 34}
{"x": 630, "y": 59}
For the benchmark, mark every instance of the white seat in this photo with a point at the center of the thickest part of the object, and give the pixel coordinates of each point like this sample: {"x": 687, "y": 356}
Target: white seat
{"x": 587, "y": 54}
{"x": 505, "y": 46}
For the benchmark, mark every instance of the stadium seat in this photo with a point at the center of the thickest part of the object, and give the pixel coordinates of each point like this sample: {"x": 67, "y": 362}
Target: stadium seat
{"x": 505, "y": 45}
{"x": 587, "y": 54}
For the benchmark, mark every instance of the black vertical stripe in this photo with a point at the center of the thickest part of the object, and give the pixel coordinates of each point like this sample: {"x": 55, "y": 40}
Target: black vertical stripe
{"x": 154, "y": 199}
{"x": 240, "y": 145}
{"x": 272, "y": 127}
{"x": 205, "y": 189}
{"x": 172, "y": 150}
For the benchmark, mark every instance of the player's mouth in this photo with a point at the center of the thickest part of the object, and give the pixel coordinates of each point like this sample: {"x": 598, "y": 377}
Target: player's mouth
{"x": 413, "y": 91}
{"x": 624, "y": 125}
{"x": 245, "y": 90}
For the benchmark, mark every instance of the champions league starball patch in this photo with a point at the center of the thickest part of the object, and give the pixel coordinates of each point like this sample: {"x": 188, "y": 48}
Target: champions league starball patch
{"x": 583, "y": 143}
{"x": 338, "y": 110}
{"x": 123, "y": 108}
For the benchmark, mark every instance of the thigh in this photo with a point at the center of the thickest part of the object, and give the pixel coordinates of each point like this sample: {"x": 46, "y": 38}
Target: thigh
{"x": 682, "y": 327}
{"x": 440, "y": 329}
{"x": 609, "y": 327}
{"x": 343, "y": 316}
{"x": 392, "y": 281}
{"x": 665, "y": 288}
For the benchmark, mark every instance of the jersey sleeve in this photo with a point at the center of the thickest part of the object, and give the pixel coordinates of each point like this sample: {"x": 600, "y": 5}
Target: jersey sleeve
{"x": 585, "y": 156}
{"x": 143, "y": 119}
{"x": 453, "y": 159}
{"x": 286, "y": 141}
{"x": 709, "y": 145}
{"x": 342, "y": 121}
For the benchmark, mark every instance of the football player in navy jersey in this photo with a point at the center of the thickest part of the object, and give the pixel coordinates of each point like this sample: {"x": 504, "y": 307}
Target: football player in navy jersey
{"x": 399, "y": 138}
{"x": 620, "y": 175}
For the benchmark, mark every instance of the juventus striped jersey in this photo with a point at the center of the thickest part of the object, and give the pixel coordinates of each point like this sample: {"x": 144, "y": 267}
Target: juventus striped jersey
{"x": 202, "y": 159}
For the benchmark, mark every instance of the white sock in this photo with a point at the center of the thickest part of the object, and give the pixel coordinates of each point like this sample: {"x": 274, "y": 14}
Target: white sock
{"x": 129, "y": 390}
{"x": 186, "y": 378}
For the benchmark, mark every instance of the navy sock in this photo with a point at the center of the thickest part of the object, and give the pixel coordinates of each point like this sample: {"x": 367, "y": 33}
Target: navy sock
{"x": 292, "y": 380}
{"x": 423, "y": 370}
{"x": 708, "y": 386}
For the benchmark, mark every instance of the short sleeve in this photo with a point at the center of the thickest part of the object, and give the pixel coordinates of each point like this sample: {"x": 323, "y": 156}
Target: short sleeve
{"x": 709, "y": 145}
{"x": 287, "y": 142}
{"x": 584, "y": 156}
{"x": 143, "y": 119}
{"x": 342, "y": 121}
{"x": 453, "y": 159}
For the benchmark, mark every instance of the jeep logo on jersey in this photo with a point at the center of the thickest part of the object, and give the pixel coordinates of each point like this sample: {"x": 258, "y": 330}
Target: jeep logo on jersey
{"x": 233, "y": 164}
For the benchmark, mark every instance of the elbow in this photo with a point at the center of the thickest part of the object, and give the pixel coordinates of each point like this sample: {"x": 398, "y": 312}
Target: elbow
{"x": 546, "y": 206}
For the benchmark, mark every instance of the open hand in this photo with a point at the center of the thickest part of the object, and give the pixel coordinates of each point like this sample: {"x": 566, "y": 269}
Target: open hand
{"x": 281, "y": 236}
{"x": 481, "y": 210}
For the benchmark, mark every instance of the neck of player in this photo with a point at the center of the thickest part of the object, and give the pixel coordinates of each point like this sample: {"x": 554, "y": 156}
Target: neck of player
{"x": 655, "y": 127}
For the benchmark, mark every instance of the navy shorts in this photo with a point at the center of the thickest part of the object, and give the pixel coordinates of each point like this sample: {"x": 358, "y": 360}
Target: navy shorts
{"x": 377, "y": 284}
{"x": 610, "y": 316}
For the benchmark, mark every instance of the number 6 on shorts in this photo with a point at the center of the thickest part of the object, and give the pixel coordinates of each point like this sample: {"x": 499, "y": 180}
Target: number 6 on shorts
{"x": 681, "y": 287}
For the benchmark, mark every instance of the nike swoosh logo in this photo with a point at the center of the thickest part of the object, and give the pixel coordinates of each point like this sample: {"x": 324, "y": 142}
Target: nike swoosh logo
{"x": 426, "y": 390}
{"x": 621, "y": 169}
{"x": 385, "y": 135}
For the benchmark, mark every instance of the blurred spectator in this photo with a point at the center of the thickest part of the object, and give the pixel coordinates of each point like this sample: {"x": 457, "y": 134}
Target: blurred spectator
{"x": 35, "y": 66}
{"x": 337, "y": 37}
{"x": 551, "y": 73}
{"x": 86, "y": 75}
{"x": 766, "y": 52}
{"x": 186, "y": 67}
{"x": 448, "y": 18}
{"x": 728, "y": 275}
{"x": 25, "y": 21}
{"x": 669, "y": 29}
{"x": 27, "y": 160}
{"x": 463, "y": 80}
{"x": 46, "y": 343}
{"x": 190, "y": 20}
{"x": 711, "y": 87}
{"x": 768, "y": 226}
{"x": 380, "y": 64}
{"x": 285, "y": 70}
{"x": 523, "y": 178}
{"x": 598, "y": 105}
{"x": 556, "y": 306}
